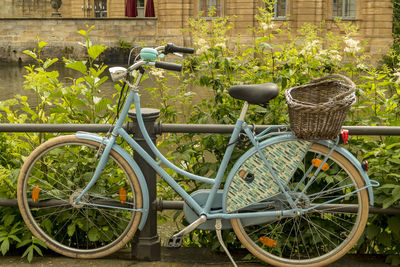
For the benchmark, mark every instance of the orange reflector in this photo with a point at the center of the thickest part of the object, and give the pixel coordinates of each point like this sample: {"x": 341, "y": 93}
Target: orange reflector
{"x": 267, "y": 241}
{"x": 317, "y": 163}
{"x": 122, "y": 195}
{"x": 35, "y": 193}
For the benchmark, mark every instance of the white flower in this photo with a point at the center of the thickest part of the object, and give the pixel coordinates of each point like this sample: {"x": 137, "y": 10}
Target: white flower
{"x": 334, "y": 55}
{"x": 202, "y": 49}
{"x": 351, "y": 46}
{"x": 189, "y": 94}
{"x": 221, "y": 45}
{"x": 267, "y": 26}
{"x": 328, "y": 55}
{"x": 158, "y": 73}
{"x": 397, "y": 74}
{"x": 361, "y": 66}
{"x": 201, "y": 42}
{"x": 309, "y": 48}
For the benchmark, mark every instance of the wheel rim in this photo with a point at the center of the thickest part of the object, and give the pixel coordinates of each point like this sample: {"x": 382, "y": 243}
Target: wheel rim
{"x": 318, "y": 237}
{"x": 61, "y": 172}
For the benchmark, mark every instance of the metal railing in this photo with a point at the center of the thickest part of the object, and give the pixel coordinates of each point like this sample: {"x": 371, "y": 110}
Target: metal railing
{"x": 148, "y": 245}
{"x": 160, "y": 128}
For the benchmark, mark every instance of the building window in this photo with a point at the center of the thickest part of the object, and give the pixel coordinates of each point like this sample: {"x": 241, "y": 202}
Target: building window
{"x": 205, "y": 6}
{"x": 280, "y": 9}
{"x": 100, "y": 8}
{"x": 345, "y": 9}
{"x": 140, "y": 8}
{"x": 277, "y": 7}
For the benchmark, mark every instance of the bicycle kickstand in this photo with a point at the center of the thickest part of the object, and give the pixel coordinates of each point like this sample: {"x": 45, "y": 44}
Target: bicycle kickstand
{"x": 218, "y": 228}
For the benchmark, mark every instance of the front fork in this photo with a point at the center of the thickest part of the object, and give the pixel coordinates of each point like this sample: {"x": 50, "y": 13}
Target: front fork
{"x": 104, "y": 155}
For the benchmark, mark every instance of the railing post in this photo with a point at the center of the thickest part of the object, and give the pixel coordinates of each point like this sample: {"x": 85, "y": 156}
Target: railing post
{"x": 148, "y": 245}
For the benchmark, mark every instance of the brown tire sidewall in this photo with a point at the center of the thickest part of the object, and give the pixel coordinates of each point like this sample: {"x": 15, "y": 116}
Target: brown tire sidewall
{"x": 24, "y": 208}
{"x": 362, "y": 218}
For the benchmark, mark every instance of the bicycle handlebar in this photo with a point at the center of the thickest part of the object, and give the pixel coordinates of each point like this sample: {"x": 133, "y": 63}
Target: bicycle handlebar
{"x": 149, "y": 56}
{"x": 168, "y": 66}
{"x": 171, "y": 48}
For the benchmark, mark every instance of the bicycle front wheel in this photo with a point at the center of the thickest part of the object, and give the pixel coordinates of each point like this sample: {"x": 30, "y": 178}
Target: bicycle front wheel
{"x": 51, "y": 179}
{"x": 323, "y": 234}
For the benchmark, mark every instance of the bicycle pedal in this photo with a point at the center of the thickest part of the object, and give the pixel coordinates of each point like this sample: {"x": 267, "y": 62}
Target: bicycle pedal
{"x": 174, "y": 242}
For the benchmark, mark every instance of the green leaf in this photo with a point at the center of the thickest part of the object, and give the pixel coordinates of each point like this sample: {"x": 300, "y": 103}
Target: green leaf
{"x": 38, "y": 241}
{"x": 15, "y": 238}
{"x": 30, "y": 254}
{"x": 95, "y": 51}
{"x": 396, "y": 193}
{"x": 102, "y": 105}
{"x": 372, "y": 231}
{"x": 24, "y": 243}
{"x": 83, "y": 33}
{"x": 394, "y": 224}
{"x": 387, "y": 203}
{"x": 101, "y": 81}
{"x": 30, "y": 53}
{"x": 8, "y": 219}
{"x": 49, "y": 62}
{"x": 41, "y": 44}
{"x": 94, "y": 234}
{"x": 5, "y": 246}
{"x": 385, "y": 239}
{"x": 77, "y": 65}
{"x": 384, "y": 186}
{"x": 38, "y": 250}
{"x": 71, "y": 229}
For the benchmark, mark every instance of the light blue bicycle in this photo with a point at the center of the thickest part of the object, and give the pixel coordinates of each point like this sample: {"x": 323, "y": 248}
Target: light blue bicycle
{"x": 290, "y": 202}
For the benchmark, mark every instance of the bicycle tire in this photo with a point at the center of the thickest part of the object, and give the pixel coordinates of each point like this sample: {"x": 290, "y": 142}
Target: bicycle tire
{"x": 310, "y": 239}
{"x": 60, "y": 168}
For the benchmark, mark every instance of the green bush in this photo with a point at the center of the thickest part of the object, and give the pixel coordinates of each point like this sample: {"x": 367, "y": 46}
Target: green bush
{"x": 57, "y": 103}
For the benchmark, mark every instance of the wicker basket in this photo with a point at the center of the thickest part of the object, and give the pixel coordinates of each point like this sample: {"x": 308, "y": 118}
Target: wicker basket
{"x": 317, "y": 110}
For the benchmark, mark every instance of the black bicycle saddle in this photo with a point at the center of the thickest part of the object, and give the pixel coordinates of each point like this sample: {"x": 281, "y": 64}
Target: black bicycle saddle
{"x": 255, "y": 93}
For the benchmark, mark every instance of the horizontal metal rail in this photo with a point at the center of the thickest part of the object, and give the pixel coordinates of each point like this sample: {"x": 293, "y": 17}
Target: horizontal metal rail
{"x": 160, "y": 128}
{"x": 161, "y": 205}
{"x": 176, "y": 128}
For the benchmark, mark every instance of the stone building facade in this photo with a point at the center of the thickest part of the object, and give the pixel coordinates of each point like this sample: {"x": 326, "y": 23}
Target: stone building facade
{"x": 22, "y": 20}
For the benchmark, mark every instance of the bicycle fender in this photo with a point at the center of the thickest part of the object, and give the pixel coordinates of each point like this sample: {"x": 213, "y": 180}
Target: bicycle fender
{"x": 135, "y": 167}
{"x": 285, "y": 138}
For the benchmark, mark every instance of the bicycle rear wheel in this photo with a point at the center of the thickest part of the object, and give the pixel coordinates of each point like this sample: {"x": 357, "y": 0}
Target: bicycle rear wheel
{"x": 322, "y": 235}
{"x": 54, "y": 175}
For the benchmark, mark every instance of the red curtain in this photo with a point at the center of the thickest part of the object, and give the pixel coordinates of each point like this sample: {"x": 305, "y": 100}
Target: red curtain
{"x": 149, "y": 9}
{"x": 130, "y": 8}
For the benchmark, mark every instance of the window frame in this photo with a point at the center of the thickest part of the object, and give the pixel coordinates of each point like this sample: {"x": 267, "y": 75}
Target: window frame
{"x": 102, "y": 13}
{"x": 343, "y": 16}
{"x": 142, "y": 12}
{"x": 221, "y": 5}
{"x": 276, "y": 17}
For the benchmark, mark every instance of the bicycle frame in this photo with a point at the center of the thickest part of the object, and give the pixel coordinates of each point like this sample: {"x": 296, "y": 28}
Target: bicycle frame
{"x": 133, "y": 97}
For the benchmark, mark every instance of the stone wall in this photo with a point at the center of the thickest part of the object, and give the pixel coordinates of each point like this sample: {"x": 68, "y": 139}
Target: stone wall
{"x": 25, "y": 8}
{"x": 18, "y": 35}
{"x": 374, "y": 19}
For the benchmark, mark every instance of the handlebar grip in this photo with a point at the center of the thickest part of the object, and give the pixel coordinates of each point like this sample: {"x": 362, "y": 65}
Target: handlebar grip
{"x": 168, "y": 66}
{"x": 171, "y": 48}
